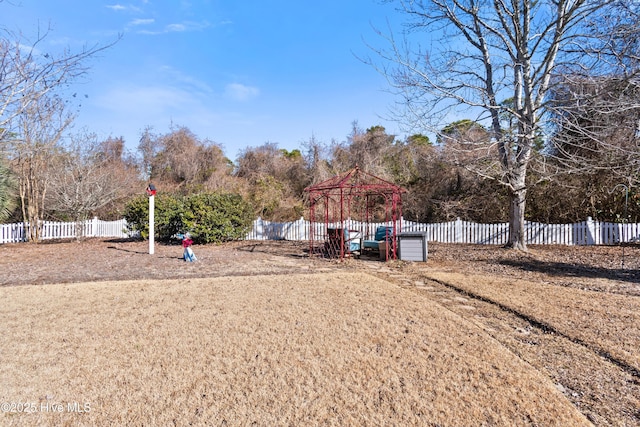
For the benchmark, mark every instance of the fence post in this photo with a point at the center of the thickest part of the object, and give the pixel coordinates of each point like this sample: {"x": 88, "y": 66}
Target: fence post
{"x": 591, "y": 231}
{"x": 458, "y": 231}
{"x": 302, "y": 229}
{"x": 258, "y": 229}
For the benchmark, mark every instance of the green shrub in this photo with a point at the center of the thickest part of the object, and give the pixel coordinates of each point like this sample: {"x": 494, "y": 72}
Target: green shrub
{"x": 209, "y": 217}
{"x": 136, "y": 213}
{"x": 214, "y": 217}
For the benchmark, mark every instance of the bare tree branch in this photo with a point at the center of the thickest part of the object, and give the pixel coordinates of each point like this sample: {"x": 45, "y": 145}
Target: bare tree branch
{"x": 28, "y": 73}
{"x": 488, "y": 52}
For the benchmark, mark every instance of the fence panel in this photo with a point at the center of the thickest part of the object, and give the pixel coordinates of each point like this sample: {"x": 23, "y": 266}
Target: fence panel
{"x": 14, "y": 233}
{"x": 587, "y": 232}
{"x": 11, "y": 233}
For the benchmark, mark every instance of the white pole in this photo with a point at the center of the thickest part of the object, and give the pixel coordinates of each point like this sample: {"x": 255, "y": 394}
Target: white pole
{"x": 151, "y": 224}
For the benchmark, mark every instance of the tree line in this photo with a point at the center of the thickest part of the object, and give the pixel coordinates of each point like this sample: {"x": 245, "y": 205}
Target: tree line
{"x": 551, "y": 127}
{"x": 86, "y": 177}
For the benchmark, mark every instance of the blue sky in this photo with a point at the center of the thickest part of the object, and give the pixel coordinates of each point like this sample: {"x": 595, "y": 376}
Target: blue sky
{"x": 239, "y": 73}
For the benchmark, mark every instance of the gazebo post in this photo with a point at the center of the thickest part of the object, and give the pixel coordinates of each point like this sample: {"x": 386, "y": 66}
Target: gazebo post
{"x": 341, "y": 227}
{"x": 312, "y": 220}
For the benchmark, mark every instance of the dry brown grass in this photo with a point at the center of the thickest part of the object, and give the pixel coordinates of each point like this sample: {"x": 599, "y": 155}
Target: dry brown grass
{"x": 567, "y": 313}
{"x": 607, "y": 323}
{"x": 315, "y": 349}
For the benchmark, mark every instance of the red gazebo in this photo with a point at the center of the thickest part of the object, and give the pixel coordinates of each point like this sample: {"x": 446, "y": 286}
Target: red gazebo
{"x": 351, "y": 204}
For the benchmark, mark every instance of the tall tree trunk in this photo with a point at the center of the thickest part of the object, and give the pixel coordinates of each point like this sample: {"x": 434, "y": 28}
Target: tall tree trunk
{"x": 32, "y": 193}
{"x": 23, "y": 206}
{"x": 517, "y": 237}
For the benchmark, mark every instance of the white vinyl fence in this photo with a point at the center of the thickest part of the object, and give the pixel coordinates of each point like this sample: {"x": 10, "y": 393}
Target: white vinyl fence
{"x": 12, "y": 233}
{"x": 587, "y": 232}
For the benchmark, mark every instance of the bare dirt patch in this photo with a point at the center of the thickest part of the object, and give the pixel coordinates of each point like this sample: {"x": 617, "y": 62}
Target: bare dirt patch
{"x": 568, "y": 313}
{"x": 99, "y": 260}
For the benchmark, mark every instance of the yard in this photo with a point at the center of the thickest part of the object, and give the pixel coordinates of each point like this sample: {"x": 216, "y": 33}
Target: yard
{"x": 256, "y": 333}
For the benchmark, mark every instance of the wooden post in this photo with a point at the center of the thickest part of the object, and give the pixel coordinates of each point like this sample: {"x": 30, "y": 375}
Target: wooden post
{"x": 151, "y": 192}
{"x": 151, "y": 224}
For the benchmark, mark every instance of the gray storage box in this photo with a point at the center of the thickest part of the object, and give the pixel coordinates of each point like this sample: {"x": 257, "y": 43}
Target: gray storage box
{"x": 412, "y": 246}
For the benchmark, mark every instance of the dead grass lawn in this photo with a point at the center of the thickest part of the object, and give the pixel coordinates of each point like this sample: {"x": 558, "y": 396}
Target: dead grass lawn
{"x": 607, "y": 323}
{"x": 298, "y": 349}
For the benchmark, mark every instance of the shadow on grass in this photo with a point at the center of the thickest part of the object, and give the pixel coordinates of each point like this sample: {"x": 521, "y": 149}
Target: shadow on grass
{"x": 172, "y": 242}
{"x": 124, "y": 240}
{"x": 301, "y": 250}
{"x": 179, "y": 257}
{"x": 278, "y": 247}
{"x": 142, "y": 252}
{"x": 575, "y": 270}
{"x": 127, "y": 250}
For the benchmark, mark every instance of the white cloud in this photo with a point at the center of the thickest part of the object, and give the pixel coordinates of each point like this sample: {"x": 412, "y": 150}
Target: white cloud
{"x": 26, "y": 49}
{"x": 175, "y": 28}
{"x": 126, "y": 110}
{"x": 116, "y": 7}
{"x": 119, "y": 8}
{"x": 178, "y": 27}
{"x": 186, "y": 81}
{"x": 145, "y": 101}
{"x": 60, "y": 41}
{"x": 142, "y": 22}
{"x": 240, "y": 92}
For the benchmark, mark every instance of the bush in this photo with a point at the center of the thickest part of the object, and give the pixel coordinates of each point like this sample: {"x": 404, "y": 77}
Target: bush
{"x": 209, "y": 217}
{"x": 214, "y": 217}
{"x": 136, "y": 213}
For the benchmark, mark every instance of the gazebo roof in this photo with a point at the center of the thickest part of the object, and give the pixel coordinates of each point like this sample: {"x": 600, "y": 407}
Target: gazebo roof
{"x": 356, "y": 181}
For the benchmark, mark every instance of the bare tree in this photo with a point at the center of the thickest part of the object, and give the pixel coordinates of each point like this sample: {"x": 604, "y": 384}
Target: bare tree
{"x": 275, "y": 180}
{"x": 595, "y": 111}
{"x": 88, "y": 176}
{"x": 179, "y": 161}
{"x": 598, "y": 126}
{"x": 371, "y": 150}
{"x": 488, "y": 52}
{"x": 316, "y": 156}
{"x": 32, "y": 113}
{"x": 149, "y": 147}
{"x": 31, "y": 152}
{"x": 27, "y": 73}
